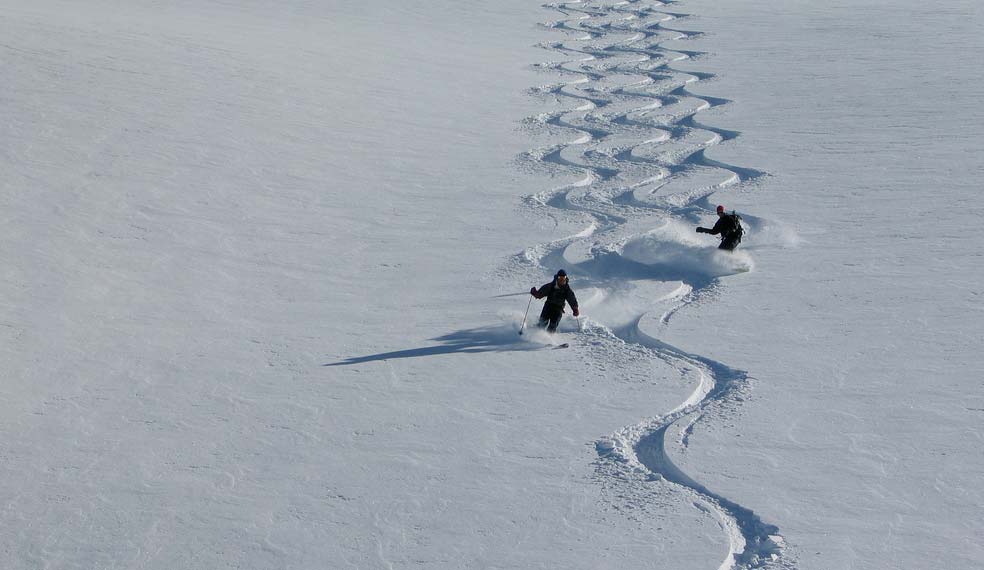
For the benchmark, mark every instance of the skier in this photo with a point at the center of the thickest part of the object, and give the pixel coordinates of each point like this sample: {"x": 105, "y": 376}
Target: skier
{"x": 557, "y": 293}
{"x": 729, "y": 226}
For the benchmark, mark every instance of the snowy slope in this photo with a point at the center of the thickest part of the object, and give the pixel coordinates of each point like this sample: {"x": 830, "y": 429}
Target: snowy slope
{"x": 862, "y": 439}
{"x": 264, "y": 264}
{"x": 204, "y": 206}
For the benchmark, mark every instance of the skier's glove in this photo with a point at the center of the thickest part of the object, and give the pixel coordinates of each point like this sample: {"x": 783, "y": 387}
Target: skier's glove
{"x": 533, "y": 291}
{"x": 576, "y": 312}
{"x": 701, "y": 230}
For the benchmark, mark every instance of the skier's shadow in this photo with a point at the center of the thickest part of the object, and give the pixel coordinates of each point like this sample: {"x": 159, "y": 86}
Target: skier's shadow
{"x": 482, "y": 339}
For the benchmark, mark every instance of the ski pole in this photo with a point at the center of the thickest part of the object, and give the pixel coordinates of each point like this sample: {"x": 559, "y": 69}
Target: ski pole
{"x": 511, "y": 295}
{"x": 527, "y": 314}
{"x": 579, "y": 327}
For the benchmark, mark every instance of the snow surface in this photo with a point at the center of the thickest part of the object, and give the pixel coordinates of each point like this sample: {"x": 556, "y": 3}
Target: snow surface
{"x": 264, "y": 265}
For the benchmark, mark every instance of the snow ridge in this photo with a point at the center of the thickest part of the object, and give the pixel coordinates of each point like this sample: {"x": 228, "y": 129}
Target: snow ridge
{"x": 642, "y": 180}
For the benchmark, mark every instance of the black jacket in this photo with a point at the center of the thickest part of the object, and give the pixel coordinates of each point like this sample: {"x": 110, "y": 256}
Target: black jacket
{"x": 557, "y": 295}
{"x": 728, "y": 226}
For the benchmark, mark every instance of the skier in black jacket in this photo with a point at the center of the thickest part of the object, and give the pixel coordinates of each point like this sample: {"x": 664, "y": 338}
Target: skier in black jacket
{"x": 557, "y": 293}
{"x": 729, "y": 226}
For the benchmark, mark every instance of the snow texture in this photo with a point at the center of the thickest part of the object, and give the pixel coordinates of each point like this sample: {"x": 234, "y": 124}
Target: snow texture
{"x": 265, "y": 266}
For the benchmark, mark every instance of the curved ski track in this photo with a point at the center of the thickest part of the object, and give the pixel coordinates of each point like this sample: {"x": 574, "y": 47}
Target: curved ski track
{"x": 637, "y": 152}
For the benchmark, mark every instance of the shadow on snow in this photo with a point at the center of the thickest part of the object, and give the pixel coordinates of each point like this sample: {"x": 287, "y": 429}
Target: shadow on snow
{"x": 500, "y": 338}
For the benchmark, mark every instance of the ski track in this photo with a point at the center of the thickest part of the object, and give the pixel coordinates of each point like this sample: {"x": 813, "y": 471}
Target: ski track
{"x": 636, "y": 153}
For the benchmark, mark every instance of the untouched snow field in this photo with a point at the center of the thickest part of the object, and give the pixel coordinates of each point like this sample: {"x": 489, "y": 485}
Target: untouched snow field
{"x": 264, "y": 265}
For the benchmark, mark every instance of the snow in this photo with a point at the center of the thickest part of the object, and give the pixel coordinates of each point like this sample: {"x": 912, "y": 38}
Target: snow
{"x": 264, "y": 265}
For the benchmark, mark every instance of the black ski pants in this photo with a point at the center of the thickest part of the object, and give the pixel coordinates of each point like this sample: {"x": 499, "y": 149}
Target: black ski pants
{"x": 730, "y": 243}
{"x": 550, "y": 317}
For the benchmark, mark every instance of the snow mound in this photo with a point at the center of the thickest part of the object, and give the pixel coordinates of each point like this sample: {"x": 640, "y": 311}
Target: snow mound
{"x": 674, "y": 249}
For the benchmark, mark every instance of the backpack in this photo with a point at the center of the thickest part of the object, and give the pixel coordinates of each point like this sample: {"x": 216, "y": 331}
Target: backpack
{"x": 739, "y": 230}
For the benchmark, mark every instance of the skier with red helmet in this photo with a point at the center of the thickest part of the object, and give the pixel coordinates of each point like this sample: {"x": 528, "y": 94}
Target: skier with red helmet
{"x": 728, "y": 227}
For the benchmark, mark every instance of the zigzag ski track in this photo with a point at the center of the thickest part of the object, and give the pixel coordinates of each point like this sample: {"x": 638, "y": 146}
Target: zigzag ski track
{"x": 639, "y": 179}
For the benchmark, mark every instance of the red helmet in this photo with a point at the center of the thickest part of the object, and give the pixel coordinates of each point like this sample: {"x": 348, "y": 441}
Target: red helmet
{"x": 720, "y": 209}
